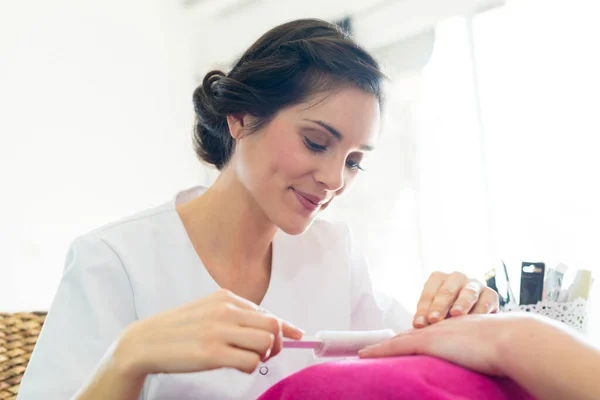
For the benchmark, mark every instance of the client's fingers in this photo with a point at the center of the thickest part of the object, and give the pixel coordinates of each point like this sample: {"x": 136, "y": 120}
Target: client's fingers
{"x": 402, "y": 345}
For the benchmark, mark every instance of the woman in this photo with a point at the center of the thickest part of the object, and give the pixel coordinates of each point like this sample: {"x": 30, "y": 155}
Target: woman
{"x": 176, "y": 289}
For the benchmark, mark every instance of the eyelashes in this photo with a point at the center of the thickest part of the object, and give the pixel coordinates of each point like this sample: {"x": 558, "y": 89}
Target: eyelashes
{"x": 354, "y": 165}
{"x": 316, "y": 148}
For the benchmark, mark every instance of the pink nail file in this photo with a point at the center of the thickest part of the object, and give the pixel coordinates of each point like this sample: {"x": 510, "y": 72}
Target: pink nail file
{"x": 339, "y": 343}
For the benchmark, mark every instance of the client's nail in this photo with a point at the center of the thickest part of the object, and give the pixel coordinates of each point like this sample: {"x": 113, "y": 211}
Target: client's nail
{"x": 420, "y": 321}
{"x": 458, "y": 308}
{"x": 434, "y": 315}
{"x": 365, "y": 351}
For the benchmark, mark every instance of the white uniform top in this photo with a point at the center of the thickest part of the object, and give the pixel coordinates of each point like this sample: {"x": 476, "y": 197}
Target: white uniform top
{"x": 146, "y": 264}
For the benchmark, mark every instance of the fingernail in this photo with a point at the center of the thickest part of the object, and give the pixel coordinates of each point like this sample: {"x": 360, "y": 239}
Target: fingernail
{"x": 434, "y": 315}
{"x": 267, "y": 355}
{"x": 420, "y": 321}
{"x": 459, "y": 308}
{"x": 365, "y": 351}
{"x": 294, "y": 327}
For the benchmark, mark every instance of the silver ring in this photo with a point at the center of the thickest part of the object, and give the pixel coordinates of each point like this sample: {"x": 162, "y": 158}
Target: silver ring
{"x": 474, "y": 286}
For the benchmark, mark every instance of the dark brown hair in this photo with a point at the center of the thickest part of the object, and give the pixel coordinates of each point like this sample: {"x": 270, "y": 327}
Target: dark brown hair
{"x": 286, "y": 66}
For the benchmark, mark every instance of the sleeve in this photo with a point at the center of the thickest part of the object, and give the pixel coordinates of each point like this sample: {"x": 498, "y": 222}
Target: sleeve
{"x": 92, "y": 306}
{"x": 372, "y": 309}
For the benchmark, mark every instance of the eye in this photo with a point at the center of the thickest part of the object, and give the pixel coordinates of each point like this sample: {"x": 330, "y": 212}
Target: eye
{"x": 314, "y": 147}
{"x": 353, "y": 165}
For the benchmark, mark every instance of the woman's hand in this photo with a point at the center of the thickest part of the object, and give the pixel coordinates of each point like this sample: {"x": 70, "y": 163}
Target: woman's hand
{"x": 545, "y": 357}
{"x": 453, "y": 295}
{"x": 220, "y": 330}
{"x": 473, "y": 341}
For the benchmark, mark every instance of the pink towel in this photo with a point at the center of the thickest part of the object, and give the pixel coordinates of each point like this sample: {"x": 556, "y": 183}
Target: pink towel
{"x": 400, "y": 378}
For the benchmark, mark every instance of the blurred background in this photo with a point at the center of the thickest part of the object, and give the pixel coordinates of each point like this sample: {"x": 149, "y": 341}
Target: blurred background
{"x": 489, "y": 149}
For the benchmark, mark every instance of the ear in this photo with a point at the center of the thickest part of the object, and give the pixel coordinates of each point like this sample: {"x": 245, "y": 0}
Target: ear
{"x": 236, "y": 123}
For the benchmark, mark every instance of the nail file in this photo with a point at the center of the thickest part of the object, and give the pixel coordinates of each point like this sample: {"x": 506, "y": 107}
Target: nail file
{"x": 339, "y": 343}
{"x": 307, "y": 342}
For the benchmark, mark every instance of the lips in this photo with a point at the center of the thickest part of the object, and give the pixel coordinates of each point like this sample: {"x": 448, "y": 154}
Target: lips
{"x": 313, "y": 199}
{"x": 309, "y": 202}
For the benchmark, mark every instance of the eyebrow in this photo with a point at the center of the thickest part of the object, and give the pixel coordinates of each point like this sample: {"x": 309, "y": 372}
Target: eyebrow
{"x": 335, "y": 133}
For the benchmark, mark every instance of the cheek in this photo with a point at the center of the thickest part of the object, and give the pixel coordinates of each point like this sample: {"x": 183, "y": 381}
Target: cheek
{"x": 291, "y": 163}
{"x": 290, "y": 158}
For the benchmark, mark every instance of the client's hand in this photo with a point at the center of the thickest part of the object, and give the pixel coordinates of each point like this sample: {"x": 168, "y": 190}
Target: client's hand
{"x": 545, "y": 357}
{"x": 473, "y": 341}
{"x": 453, "y": 295}
{"x": 217, "y": 331}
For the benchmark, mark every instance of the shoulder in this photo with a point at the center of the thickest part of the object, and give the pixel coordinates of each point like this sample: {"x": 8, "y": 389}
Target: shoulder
{"x": 146, "y": 219}
{"x": 152, "y": 229}
{"x": 139, "y": 230}
{"x": 142, "y": 223}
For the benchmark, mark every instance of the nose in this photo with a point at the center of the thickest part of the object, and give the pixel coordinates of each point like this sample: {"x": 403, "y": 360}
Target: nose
{"x": 331, "y": 175}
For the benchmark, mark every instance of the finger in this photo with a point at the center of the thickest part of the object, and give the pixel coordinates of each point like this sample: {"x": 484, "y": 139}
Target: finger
{"x": 258, "y": 320}
{"x": 286, "y": 330}
{"x": 403, "y": 345}
{"x": 255, "y": 340}
{"x": 469, "y": 295}
{"x": 435, "y": 281}
{"x": 242, "y": 360}
{"x": 267, "y": 321}
{"x": 446, "y": 296}
{"x": 488, "y": 302}
{"x": 289, "y": 330}
{"x": 236, "y": 300}
{"x": 277, "y": 345}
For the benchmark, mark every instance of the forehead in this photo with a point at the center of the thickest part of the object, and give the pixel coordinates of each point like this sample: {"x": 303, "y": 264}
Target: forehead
{"x": 353, "y": 112}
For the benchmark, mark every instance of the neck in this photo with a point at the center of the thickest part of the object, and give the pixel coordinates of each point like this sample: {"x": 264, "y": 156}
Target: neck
{"x": 229, "y": 226}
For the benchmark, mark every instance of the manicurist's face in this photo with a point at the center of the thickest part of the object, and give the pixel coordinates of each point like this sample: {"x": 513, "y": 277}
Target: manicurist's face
{"x": 294, "y": 166}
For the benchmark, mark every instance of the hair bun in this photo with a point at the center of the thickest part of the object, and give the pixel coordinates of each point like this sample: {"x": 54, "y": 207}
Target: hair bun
{"x": 212, "y": 141}
{"x": 210, "y": 79}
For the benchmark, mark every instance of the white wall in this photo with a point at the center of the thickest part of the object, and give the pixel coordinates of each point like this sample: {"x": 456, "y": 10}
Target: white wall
{"x": 539, "y": 85}
{"x": 95, "y": 123}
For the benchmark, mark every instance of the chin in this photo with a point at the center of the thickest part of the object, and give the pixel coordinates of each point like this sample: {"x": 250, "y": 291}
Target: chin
{"x": 297, "y": 227}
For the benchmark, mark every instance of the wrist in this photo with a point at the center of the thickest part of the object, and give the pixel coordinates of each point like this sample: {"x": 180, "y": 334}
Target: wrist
{"x": 516, "y": 344}
{"x": 126, "y": 360}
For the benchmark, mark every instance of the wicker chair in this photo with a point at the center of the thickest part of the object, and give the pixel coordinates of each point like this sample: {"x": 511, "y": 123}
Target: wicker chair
{"x": 18, "y": 335}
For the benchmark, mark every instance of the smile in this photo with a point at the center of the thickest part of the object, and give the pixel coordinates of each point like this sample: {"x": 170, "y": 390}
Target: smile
{"x": 309, "y": 202}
